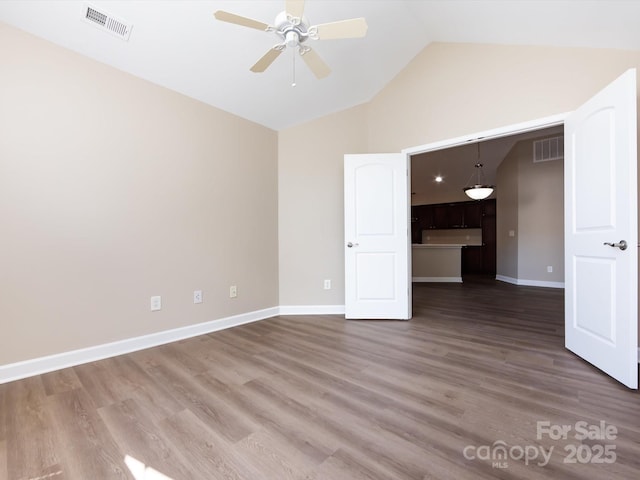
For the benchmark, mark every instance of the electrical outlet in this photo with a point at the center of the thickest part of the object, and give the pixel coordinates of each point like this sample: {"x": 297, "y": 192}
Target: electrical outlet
{"x": 156, "y": 303}
{"x": 512, "y": 233}
{"x": 549, "y": 269}
{"x": 233, "y": 291}
{"x": 327, "y": 284}
{"x": 197, "y": 296}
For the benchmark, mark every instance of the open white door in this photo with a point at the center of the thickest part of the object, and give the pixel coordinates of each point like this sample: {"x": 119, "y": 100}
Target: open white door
{"x": 377, "y": 240}
{"x": 601, "y": 280}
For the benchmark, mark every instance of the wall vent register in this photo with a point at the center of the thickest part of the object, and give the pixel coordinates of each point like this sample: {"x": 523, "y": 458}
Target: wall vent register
{"x": 548, "y": 149}
{"x": 107, "y": 22}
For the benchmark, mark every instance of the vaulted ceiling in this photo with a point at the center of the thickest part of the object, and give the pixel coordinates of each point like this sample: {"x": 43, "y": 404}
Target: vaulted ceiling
{"x": 179, "y": 44}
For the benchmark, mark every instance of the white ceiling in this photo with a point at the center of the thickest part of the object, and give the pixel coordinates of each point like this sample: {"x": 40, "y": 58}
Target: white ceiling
{"x": 179, "y": 45}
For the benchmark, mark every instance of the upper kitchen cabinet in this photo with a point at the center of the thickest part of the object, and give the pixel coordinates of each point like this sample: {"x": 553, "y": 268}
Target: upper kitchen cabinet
{"x": 473, "y": 214}
{"x": 456, "y": 215}
{"x": 440, "y": 216}
{"x": 426, "y": 217}
{"x": 489, "y": 207}
{"x": 452, "y": 215}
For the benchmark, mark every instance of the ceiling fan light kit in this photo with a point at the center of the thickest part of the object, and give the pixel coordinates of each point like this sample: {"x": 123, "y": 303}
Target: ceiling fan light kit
{"x": 293, "y": 29}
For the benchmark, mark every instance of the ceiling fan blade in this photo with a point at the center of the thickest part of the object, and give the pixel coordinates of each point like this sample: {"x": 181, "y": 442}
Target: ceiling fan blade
{"x": 315, "y": 63}
{"x": 239, "y": 20}
{"x": 295, "y": 8}
{"x": 266, "y": 60}
{"x": 353, "y": 28}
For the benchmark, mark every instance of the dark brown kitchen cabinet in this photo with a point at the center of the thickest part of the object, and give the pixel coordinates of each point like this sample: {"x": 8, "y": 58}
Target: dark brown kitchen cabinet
{"x": 456, "y": 215}
{"x": 473, "y": 214}
{"x": 472, "y": 260}
{"x": 440, "y": 216}
{"x": 451, "y": 215}
{"x": 489, "y": 207}
{"x": 421, "y": 219}
{"x": 416, "y": 229}
{"x": 489, "y": 238}
{"x": 448, "y": 215}
{"x": 426, "y": 219}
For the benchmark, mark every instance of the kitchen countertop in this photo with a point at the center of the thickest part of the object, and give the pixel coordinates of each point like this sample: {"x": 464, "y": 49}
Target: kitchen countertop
{"x": 442, "y": 245}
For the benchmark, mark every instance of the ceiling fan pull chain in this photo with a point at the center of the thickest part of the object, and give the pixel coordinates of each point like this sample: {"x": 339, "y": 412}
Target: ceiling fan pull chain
{"x": 293, "y": 73}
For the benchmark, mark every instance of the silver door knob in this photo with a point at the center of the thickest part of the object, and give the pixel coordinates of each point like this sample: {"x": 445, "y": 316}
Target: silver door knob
{"x": 350, "y": 245}
{"x": 622, "y": 244}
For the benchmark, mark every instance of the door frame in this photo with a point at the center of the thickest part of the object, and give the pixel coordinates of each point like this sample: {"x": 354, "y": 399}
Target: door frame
{"x": 504, "y": 131}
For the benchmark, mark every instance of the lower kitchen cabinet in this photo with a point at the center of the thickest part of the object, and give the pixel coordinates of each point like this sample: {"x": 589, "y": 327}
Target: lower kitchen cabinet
{"x": 472, "y": 260}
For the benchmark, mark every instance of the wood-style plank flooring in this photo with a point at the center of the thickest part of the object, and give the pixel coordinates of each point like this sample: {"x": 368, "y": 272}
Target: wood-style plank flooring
{"x": 318, "y": 397}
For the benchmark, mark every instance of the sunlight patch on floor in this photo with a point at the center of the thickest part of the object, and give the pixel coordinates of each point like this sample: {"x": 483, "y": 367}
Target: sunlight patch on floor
{"x": 141, "y": 472}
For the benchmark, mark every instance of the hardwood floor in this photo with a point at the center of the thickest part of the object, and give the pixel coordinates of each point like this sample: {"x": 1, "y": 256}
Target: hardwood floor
{"x": 319, "y": 397}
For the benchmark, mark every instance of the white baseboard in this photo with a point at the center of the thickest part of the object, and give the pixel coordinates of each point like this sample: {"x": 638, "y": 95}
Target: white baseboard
{"x": 437, "y": 279}
{"x": 529, "y": 283}
{"x": 37, "y": 366}
{"x": 312, "y": 310}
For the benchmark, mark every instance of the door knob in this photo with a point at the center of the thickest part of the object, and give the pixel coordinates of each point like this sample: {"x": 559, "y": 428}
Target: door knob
{"x": 350, "y": 245}
{"x": 622, "y": 245}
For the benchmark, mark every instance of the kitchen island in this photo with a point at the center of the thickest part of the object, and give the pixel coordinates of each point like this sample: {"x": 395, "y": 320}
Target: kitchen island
{"x": 432, "y": 262}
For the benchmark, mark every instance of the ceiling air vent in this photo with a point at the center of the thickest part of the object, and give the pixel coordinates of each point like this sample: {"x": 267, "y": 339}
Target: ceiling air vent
{"x": 107, "y": 22}
{"x": 548, "y": 149}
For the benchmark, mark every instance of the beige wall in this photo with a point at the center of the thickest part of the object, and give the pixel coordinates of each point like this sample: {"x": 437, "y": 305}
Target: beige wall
{"x": 310, "y": 190}
{"x": 113, "y": 189}
{"x": 531, "y": 204}
{"x": 448, "y": 90}
{"x": 507, "y": 217}
{"x": 540, "y": 217}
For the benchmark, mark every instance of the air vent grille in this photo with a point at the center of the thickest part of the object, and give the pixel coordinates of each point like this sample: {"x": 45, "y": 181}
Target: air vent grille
{"x": 548, "y": 149}
{"x": 96, "y": 16}
{"x": 107, "y": 22}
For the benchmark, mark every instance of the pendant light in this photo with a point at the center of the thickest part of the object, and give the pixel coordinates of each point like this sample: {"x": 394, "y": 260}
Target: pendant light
{"x": 480, "y": 190}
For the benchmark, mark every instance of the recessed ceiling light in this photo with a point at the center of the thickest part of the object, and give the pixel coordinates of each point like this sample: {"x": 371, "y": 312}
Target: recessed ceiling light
{"x": 438, "y": 178}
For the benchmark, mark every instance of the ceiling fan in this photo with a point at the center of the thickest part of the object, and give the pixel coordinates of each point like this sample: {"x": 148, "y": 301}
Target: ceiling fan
{"x": 293, "y": 29}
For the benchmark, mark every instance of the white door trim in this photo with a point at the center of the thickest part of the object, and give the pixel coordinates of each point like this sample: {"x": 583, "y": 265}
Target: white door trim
{"x": 505, "y": 131}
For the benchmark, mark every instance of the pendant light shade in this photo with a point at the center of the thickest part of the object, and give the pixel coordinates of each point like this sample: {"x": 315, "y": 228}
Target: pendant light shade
{"x": 480, "y": 190}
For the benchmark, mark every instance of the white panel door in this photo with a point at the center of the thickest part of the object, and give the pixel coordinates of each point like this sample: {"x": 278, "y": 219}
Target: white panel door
{"x": 377, "y": 240}
{"x": 601, "y": 300}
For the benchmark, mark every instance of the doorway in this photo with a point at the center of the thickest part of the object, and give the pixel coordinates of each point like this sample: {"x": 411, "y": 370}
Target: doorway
{"x": 600, "y": 207}
{"x": 529, "y": 191}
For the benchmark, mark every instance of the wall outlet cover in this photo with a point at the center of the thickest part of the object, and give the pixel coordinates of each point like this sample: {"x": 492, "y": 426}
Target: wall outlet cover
{"x": 197, "y": 296}
{"x": 156, "y": 303}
